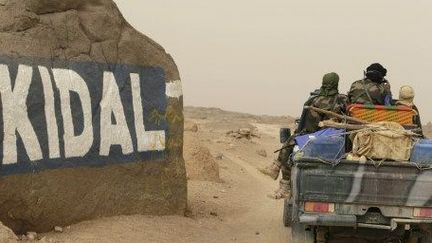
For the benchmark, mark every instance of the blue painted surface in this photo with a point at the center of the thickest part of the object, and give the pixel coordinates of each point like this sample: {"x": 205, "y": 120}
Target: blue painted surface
{"x": 153, "y": 96}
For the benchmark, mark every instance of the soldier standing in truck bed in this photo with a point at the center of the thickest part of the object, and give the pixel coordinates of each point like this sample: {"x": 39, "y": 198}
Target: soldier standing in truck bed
{"x": 374, "y": 89}
{"x": 329, "y": 99}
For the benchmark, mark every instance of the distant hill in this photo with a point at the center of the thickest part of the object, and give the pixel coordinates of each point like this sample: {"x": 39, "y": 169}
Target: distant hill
{"x": 210, "y": 112}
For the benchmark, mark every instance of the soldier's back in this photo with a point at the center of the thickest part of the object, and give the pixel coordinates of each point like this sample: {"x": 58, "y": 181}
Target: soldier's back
{"x": 366, "y": 91}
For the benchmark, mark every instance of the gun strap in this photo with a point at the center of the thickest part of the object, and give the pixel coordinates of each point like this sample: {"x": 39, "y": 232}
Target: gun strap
{"x": 367, "y": 91}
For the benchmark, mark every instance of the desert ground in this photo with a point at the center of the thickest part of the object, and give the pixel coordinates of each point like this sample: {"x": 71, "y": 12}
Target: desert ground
{"x": 228, "y": 199}
{"x": 227, "y": 194}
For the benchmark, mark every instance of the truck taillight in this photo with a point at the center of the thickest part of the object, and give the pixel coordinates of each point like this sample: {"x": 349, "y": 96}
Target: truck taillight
{"x": 422, "y": 212}
{"x": 319, "y": 207}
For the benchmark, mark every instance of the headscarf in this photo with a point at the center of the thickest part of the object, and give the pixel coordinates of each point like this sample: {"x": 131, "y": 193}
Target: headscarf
{"x": 376, "y": 72}
{"x": 406, "y": 96}
{"x": 330, "y": 85}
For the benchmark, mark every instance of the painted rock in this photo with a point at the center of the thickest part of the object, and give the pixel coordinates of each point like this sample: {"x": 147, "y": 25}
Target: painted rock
{"x": 91, "y": 118}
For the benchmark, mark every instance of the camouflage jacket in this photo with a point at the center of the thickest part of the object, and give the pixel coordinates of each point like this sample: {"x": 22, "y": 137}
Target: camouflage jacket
{"x": 368, "y": 92}
{"x": 336, "y": 103}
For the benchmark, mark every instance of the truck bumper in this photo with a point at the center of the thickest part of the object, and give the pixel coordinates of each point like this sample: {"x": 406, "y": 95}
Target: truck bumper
{"x": 329, "y": 220}
{"x": 351, "y": 221}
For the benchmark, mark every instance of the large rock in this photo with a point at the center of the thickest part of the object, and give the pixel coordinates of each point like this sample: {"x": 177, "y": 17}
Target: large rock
{"x": 91, "y": 122}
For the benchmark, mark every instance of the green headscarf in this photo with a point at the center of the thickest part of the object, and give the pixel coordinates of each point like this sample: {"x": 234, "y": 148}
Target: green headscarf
{"x": 330, "y": 85}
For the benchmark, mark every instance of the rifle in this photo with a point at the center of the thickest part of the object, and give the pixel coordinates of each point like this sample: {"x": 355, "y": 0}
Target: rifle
{"x": 336, "y": 115}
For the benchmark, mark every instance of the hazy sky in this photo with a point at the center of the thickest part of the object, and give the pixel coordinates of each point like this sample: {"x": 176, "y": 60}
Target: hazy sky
{"x": 265, "y": 56}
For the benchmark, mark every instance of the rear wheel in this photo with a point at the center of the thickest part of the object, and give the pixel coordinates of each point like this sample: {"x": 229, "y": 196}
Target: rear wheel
{"x": 287, "y": 213}
{"x": 321, "y": 235}
{"x": 299, "y": 234}
{"x": 426, "y": 236}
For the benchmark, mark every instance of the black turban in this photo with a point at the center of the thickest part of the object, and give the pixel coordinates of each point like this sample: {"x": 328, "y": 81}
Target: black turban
{"x": 376, "y": 72}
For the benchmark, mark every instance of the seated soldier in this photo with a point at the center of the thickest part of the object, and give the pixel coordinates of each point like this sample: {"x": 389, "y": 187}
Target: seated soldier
{"x": 327, "y": 99}
{"x": 406, "y": 98}
{"x": 373, "y": 89}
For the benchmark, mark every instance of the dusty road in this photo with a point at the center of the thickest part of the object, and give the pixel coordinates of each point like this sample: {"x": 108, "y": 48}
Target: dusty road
{"x": 233, "y": 209}
{"x": 228, "y": 203}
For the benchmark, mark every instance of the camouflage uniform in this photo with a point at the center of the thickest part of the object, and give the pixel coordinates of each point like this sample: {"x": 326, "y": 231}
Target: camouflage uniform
{"x": 336, "y": 103}
{"x": 373, "y": 89}
{"x": 367, "y": 91}
{"x": 327, "y": 99}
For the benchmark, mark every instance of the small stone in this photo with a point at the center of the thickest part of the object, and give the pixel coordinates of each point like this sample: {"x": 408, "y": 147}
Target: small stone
{"x": 215, "y": 197}
{"x": 188, "y": 213}
{"x": 58, "y": 229}
{"x": 262, "y": 153}
{"x": 244, "y": 131}
{"x": 213, "y": 214}
{"x": 257, "y": 233}
{"x": 45, "y": 240}
{"x": 192, "y": 128}
{"x": 219, "y": 156}
{"x": 31, "y": 236}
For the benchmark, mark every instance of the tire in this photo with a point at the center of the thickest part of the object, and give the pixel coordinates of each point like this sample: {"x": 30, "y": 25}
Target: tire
{"x": 427, "y": 238}
{"x": 426, "y": 234}
{"x": 300, "y": 235}
{"x": 287, "y": 213}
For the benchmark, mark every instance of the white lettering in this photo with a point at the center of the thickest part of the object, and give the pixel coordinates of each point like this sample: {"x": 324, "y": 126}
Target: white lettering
{"x": 69, "y": 81}
{"x": 15, "y": 115}
{"x": 53, "y": 139}
{"x": 174, "y": 89}
{"x": 111, "y": 105}
{"x": 147, "y": 140}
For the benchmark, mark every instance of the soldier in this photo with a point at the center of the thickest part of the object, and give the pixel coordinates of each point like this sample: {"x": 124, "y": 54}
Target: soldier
{"x": 328, "y": 98}
{"x": 373, "y": 89}
{"x": 406, "y": 98}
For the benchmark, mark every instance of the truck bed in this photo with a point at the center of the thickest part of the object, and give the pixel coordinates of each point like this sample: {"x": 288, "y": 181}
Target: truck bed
{"x": 390, "y": 183}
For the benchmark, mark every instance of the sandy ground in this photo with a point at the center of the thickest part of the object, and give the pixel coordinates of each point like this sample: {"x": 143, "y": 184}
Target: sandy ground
{"x": 227, "y": 194}
{"x": 234, "y": 208}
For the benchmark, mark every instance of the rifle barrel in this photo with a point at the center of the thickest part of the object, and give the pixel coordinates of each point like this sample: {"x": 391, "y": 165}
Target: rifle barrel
{"x": 333, "y": 114}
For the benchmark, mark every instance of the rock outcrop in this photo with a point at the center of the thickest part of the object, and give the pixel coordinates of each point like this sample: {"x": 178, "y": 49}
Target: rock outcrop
{"x": 200, "y": 164}
{"x": 91, "y": 122}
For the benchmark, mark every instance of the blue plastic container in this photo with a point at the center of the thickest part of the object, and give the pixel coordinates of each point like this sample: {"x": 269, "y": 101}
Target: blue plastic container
{"x": 422, "y": 152}
{"x": 327, "y": 148}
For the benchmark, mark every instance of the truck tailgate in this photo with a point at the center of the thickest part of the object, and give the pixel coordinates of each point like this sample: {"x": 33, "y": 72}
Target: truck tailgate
{"x": 391, "y": 183}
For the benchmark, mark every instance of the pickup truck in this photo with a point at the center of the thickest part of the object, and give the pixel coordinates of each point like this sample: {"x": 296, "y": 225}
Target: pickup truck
{"x": 386, "y": 202}
{"x": 378, "y": 201}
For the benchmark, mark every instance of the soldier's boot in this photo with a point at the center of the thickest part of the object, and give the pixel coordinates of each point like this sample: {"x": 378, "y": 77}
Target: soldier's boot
{"x": 272, "y": 170}
{"x": 284, "y": 190}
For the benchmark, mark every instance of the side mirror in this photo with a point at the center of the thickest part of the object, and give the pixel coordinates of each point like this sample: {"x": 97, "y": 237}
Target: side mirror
{"x": 284, "y": 134}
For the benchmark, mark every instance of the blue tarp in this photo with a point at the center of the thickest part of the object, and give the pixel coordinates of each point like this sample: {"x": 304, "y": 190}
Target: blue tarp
{"x": 301, "y": 141}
